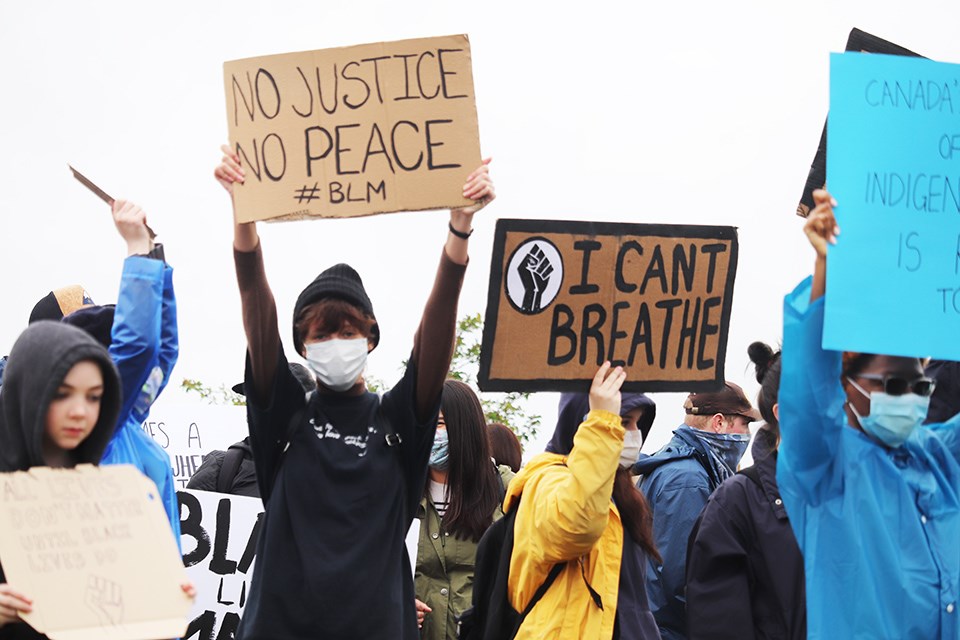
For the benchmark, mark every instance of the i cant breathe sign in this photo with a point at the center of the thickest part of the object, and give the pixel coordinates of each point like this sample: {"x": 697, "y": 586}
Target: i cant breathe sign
{"x": 353, "y": 131}
{"x": 566, "y": 296}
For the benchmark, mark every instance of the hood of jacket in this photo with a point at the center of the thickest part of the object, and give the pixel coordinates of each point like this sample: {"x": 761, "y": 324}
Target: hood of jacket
{"x": 574, "y": 408}
{"x": 631, "y": 401}
{"x": 41, "y": 358}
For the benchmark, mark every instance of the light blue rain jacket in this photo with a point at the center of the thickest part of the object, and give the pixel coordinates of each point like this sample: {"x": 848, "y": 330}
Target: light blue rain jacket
{"x": 144, "y": 346}
{"x": 879, "y": 528}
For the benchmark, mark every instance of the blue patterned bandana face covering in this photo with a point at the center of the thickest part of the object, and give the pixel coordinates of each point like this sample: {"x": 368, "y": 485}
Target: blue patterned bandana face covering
{"x": 440, "y": 452}
{"x": 729, "y": 447}
{"x": 892, "y": 418}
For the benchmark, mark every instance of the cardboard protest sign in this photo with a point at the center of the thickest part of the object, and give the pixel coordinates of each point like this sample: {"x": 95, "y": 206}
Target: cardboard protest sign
{"x": 893, "y": 165}
{"x": 355, "y": 130}
{"x": 189, "y": 432}
{"x": 565, "y": 296}
{"x": 857, "y": 41}
{"x": 92, "y": 547}
{"x": 218, "y": 534}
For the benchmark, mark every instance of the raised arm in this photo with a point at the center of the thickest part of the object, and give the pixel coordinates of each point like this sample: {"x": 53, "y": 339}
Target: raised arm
{"x": 135, "y": 336}
{"x": 569, "y": 507}
{"x": 811, "y": 398}
{"x": 434, "y": 341}
{"x": 256, "y": 298}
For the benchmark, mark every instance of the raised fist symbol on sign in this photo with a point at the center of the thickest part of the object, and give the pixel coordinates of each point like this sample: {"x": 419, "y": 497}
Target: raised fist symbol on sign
{"x": 534, "y": 272}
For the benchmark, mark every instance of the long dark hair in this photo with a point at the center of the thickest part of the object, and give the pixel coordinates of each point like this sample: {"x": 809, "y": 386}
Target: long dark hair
{"x": 472, "y": 481}
{"x": 634, "y": 512}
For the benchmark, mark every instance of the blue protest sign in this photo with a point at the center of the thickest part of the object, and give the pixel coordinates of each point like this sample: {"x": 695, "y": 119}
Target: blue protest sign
{"x": 893, "y": 165}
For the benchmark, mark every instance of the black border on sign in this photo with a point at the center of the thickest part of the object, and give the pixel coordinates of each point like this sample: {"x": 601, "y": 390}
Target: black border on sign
{"x": 506, "y": 225}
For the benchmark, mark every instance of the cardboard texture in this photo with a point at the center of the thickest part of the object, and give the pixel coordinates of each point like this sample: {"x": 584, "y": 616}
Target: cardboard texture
{"x": 92, "y": 547}
{"x": 857, "y": 41}
{"x": 218, "y": 534}
{"x": 353, "y": 131}
{"x": 892, "y": 165}
{"x": 565, "y": 296}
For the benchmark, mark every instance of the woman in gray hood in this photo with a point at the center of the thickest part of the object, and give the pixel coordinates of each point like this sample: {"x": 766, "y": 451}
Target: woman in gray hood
{"x": 58, "y": 408}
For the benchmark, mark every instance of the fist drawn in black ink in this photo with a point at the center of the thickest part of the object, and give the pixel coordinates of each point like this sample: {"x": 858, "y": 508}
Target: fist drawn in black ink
{"x": 534, "y": 272}
{"x": 104, "y": 598}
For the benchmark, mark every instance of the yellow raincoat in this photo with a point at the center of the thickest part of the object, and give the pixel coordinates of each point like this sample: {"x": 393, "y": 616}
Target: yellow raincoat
{"x": 567, "y": 515}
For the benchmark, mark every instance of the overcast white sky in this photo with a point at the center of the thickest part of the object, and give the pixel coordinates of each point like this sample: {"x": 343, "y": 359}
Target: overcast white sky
{"x": 674, "y": 112}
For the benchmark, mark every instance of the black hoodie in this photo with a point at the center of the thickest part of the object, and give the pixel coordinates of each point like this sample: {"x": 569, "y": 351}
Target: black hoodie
{"x": 40, "y": 360}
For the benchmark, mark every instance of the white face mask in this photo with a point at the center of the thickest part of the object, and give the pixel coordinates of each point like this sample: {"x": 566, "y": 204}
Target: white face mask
{"x": 337, "y": 363}
{"x": 632, "y": 441}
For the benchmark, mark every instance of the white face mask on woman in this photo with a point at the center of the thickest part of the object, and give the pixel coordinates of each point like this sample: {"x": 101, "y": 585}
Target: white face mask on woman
{"x": 337, "y": 363}
{"x": 892, "y": 418}
{"x": 632, "y": 441}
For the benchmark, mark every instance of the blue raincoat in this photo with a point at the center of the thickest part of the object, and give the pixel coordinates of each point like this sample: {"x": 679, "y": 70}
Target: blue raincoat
{"x": 144, "y": 346}
{"x": 879, "y": 528}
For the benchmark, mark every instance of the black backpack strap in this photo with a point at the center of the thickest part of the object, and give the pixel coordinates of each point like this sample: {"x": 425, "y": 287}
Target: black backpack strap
{"x": 292, "y": 427}
{"x": 228, "y": 469}
{"x": 539, "y": 593}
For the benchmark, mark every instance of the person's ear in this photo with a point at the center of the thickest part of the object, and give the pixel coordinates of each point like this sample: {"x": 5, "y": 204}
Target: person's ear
{"x": 776, "y": 411}
{"x": 370, "y": 345}
{"x": 716, "y": 423}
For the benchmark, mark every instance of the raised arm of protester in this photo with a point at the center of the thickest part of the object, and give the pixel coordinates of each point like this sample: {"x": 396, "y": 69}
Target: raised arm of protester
{"x": 571, "y": 505}
{"x": 810, "y": 375}
{"x": 141, "y": 336}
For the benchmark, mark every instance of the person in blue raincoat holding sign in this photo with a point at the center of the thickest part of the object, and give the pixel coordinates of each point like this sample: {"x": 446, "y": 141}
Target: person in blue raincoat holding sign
{"x": 873, "y": 496}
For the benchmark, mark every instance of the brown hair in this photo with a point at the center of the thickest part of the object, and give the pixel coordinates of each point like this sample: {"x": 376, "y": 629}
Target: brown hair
{"x": 504, "y": 446}
{"x": 328, "y": 315}
{"x": 634, "y": 512}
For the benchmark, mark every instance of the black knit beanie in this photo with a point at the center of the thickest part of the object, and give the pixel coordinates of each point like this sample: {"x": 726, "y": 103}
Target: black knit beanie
{"x": 339, "y": 281}
{"x": 97, "y": 321}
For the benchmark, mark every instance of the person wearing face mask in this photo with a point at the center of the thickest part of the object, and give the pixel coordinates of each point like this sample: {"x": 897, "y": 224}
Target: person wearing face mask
{"x": 341, "y": 471}
{"x": 461, "y": 500}
{"x": 579, "y": 510}
{"x": 678, "y": 479}
{"x": 873, "y": 496}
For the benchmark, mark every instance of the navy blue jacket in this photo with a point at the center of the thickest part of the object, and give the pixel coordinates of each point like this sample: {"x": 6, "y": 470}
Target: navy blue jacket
{"x": 745, "y": 576}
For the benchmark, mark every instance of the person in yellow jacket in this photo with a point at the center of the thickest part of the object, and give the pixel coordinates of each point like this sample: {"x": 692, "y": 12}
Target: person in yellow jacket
{"x": 579, "y": 508}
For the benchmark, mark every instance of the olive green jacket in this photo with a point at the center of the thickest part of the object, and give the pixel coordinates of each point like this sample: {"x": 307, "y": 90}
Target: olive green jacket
{"x": 444, "y": 575}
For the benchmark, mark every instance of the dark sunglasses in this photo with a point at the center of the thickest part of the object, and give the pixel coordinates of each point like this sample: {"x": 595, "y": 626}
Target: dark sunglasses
{"x": 896, "y": 386}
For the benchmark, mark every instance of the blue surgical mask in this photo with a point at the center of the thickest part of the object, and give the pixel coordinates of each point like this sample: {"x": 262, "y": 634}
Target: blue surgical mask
{"x": 440, "y": 452}
{"x": 892, "y": 418}
{"x": 730, "y": 447}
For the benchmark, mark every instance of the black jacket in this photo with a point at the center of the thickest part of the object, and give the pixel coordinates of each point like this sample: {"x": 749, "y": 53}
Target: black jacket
{"x": 244, "y": 481}
{"x": 745, "y": 575}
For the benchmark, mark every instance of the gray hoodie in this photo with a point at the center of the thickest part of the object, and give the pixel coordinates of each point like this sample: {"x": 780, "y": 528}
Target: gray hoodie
{"x": 39, "y": 361}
